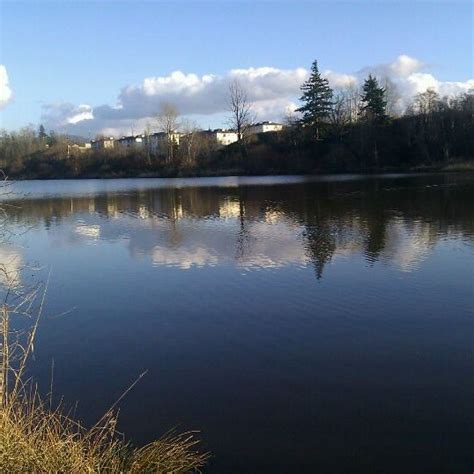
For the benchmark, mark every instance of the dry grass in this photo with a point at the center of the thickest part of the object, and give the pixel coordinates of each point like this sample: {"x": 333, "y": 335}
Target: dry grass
{"x": 460, "y": 165}
{"x": 37, "y": 438}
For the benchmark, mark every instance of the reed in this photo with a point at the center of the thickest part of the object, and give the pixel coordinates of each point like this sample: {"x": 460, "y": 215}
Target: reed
{"x": 37, "y": 437}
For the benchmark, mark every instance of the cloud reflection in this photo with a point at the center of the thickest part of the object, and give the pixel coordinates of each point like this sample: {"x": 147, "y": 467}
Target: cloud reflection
{"x": 11, "y": 264}
{"x": 261, "y": 227}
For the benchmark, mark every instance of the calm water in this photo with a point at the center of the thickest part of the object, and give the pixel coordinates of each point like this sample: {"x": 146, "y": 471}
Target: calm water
{"x": 302, "y": 325}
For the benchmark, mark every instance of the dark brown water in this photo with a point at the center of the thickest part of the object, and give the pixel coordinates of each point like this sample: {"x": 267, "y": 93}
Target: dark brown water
{"x": 302, "y": 325}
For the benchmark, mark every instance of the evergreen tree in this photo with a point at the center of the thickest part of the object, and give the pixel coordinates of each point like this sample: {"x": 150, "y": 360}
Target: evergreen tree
{"x": 374, "y": 100}
{"x": 317, "y": 99}
{"x": 52, "y": 139}
{"x": 42, "y": 135}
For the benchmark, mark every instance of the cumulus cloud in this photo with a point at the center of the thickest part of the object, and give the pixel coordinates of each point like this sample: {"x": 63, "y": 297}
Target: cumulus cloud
{"x": 338, "y": 80}
{"x": 5, "y": 90}
{"x": 408, "y": 77}
{"x": 404, "y": 65}
{"x": 62, "y": 114}
{"x": 273, "y": 93}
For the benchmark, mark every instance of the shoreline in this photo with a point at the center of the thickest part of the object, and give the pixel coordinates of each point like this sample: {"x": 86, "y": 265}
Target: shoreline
{"x": 465, "y": 167}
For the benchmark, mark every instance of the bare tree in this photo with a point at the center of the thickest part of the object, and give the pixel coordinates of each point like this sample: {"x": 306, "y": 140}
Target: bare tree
{"x": 345, "y": 108}
{"x": 168, "y": 123}
{"x": 346, "y": 105}
{"x": 241, "y": 112}
{"x": 426, "y": 103}
{"x": 291, "y": 118}
{"x": 147, "y": 134}
{"x": 189, "y": 145}
{"x": 341, "y": 111}
{"x": 392, "y": 96}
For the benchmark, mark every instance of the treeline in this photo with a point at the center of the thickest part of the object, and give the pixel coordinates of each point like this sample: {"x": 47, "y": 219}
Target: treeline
{"x": 344, "y": 130}
{"x": 438, "y": 138}
{"x": 358, "y": 130}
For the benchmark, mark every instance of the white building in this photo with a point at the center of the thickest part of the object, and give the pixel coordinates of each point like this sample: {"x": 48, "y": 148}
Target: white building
{"x": 264, "y": 127}
{"x": 158, "y": 142}
{"x": 75, "y": 148}
{"x": 221, "y": 136}
{"x": 103, "y": 143}
{"x": 81, "y": 148}
{"x": 133, "y": 140}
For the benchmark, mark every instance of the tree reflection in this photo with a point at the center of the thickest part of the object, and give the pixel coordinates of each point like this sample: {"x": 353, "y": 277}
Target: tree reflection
{"x": 393, "y": 220}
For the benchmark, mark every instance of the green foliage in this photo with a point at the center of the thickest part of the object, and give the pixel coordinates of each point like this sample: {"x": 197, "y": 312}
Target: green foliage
{"x": 374, "y": 100}
{"x": 52, "y": 139}
{"x": 316, "y": 98}
{"x": 42, "y": 135}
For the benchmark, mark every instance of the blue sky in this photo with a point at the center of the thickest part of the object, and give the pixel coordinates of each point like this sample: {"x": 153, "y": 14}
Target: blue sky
{"x": 87, "y": 52}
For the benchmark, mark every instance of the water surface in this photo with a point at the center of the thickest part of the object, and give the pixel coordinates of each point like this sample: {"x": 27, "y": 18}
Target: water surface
{"x": 303, "y": 325}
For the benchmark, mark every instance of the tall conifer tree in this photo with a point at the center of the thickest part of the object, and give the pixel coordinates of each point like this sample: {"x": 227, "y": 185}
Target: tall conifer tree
{"x": 316, "y": 98}
{"x": 374, "y": 101}
{"x": 42, "y": 135}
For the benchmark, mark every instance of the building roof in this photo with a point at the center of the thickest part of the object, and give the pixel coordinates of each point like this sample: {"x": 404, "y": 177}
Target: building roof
{"x": 101, "y": 139}
{"x": 161, "y": 134}
{"x": 131, "y": 137}
{"x": 266, "y": 122}
{"x": 219, "y": 130}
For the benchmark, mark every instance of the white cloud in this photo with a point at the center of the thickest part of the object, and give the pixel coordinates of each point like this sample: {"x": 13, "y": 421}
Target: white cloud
{"x": 405, "y": 65}
{"x": 5, "y": 90}
{"x": 62, "y": 114}
{"x": 83, "y": 112}
{"x": 337, "y": 80}
{"x": 204, "y": 95}
{"x": 273, "y": 93}
{"x": 409, "y": 77}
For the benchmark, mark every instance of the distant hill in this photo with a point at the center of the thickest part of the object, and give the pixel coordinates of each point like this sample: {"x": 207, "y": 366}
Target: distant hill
{"x": 76, "y": 138}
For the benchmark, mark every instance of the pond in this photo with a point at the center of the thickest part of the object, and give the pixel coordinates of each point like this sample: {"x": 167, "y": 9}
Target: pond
{"x": 301, "y": 324}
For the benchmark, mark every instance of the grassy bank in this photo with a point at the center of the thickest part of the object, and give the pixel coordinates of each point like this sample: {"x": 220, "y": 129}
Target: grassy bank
{"x": 460, "y": 166}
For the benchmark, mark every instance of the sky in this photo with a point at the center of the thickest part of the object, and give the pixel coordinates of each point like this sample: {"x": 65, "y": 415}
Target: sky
{"x": 108, "y": 66}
